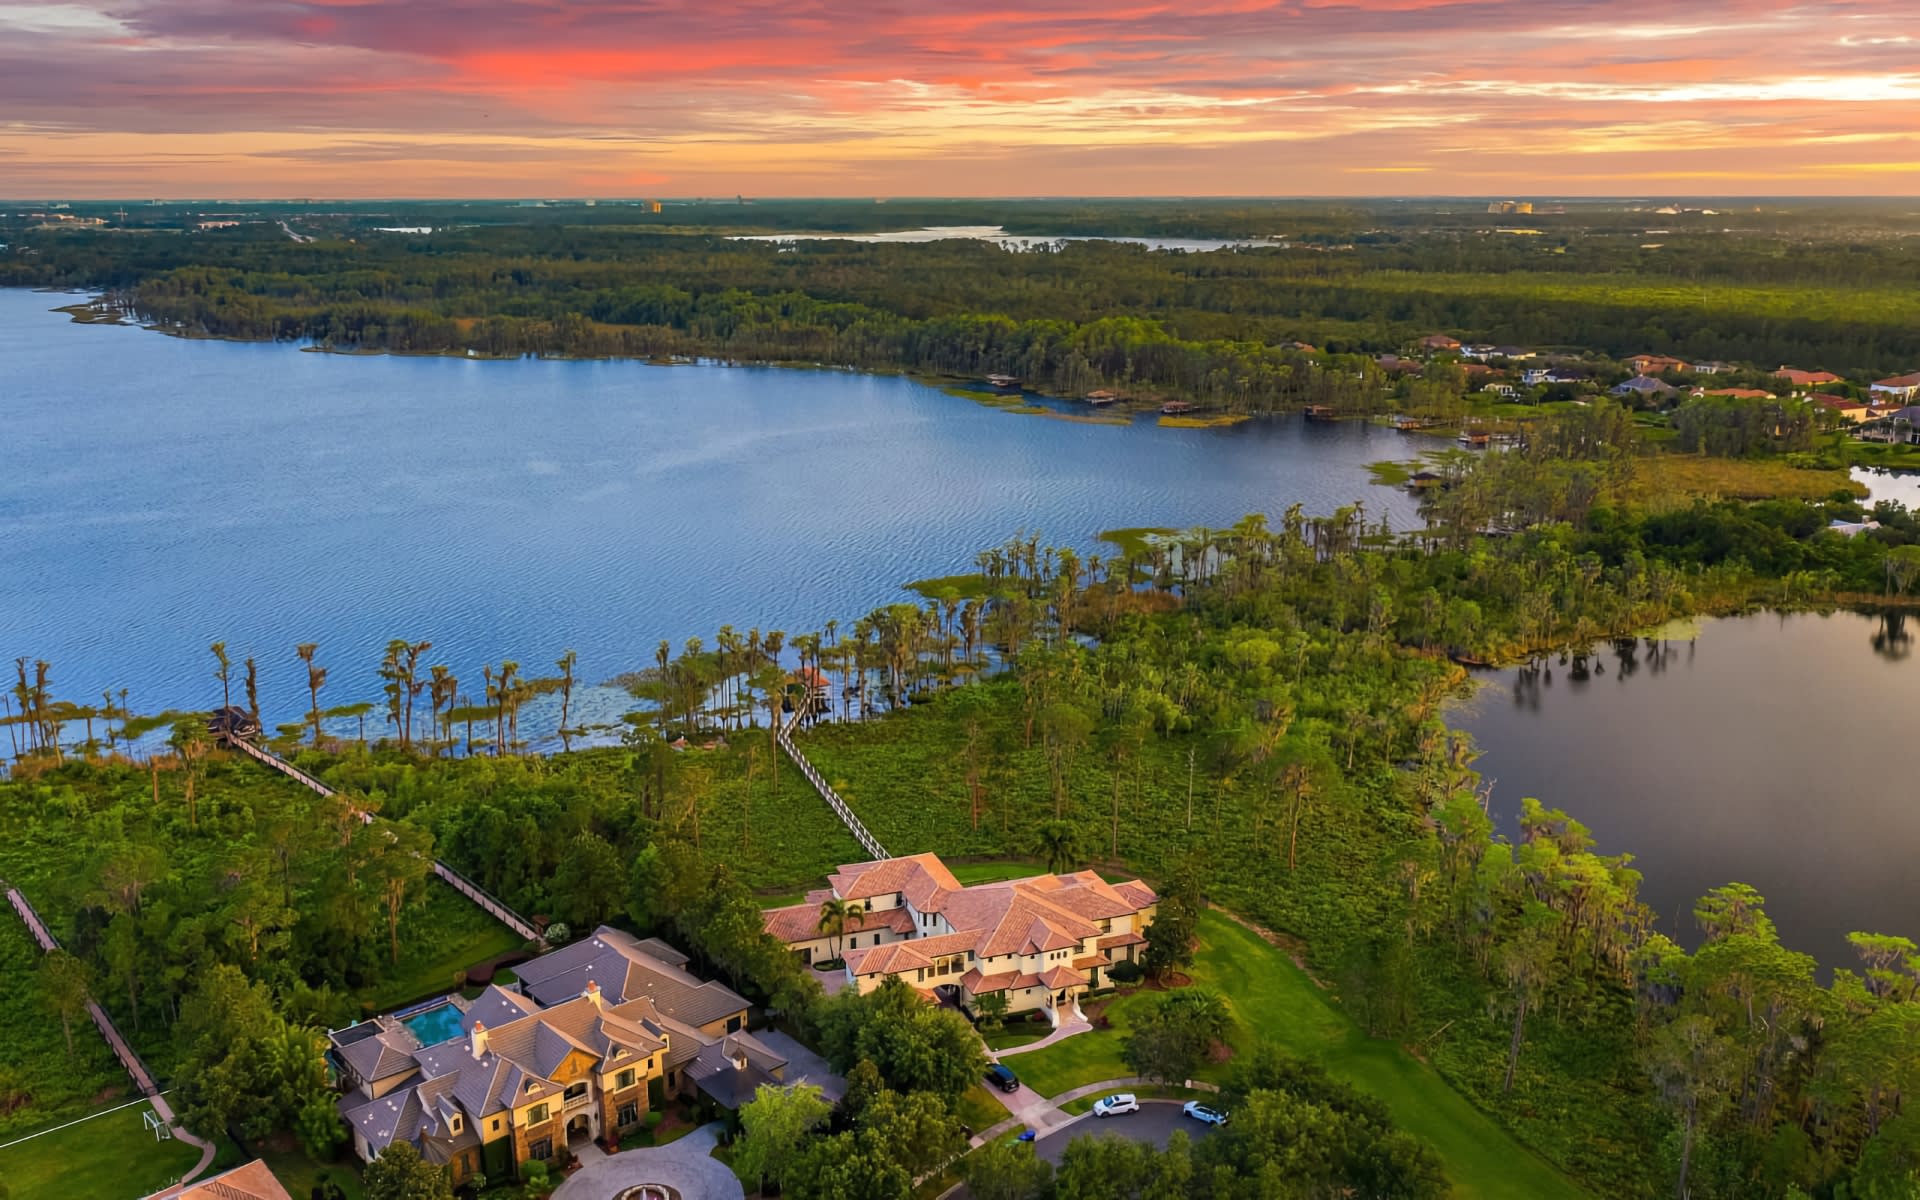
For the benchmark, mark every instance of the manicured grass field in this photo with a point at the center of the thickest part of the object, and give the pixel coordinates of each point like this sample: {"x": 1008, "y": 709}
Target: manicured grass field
{"x": 1023, "y": 1034}
{"x": 112, "y": 1157}
{"x": 1273, "y": 999}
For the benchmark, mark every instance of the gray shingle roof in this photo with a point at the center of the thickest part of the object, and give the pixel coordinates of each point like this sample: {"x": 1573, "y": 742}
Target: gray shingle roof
{"x": 626, "y": 968}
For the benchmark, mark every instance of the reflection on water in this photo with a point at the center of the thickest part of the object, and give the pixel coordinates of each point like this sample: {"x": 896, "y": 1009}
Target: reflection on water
{"x": 160, "y": 494}
{"x": 1769, "y": 751}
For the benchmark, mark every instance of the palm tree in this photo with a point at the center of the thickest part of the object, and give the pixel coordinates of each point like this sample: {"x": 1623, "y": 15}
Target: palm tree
{"x": 835, "y": 915}
{"x": 253, "y": 692}
{"x": 224, "y": 674}
{"x": 1059, "y": 844}
{"x": 316, "y": 679}
{"x": 566, "y": 696}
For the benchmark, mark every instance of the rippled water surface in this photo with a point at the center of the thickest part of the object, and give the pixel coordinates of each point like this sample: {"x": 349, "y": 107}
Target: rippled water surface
{"x": 1769, "y": 751}
{"x": 159, "y": 493}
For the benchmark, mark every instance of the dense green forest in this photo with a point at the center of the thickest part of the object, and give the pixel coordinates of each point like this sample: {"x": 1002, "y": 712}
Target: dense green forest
{"x": 1225, "y": 328}
{"x": 1256, "y": 709}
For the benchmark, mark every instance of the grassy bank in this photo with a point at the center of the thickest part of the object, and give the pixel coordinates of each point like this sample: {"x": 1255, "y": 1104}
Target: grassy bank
{"x": 1273, "y": 1000}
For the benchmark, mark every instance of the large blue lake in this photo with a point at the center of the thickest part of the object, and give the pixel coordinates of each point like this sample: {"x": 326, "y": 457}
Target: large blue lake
{"x": 159, "y": 493}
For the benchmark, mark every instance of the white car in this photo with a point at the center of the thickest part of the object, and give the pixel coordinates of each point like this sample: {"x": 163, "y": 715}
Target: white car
{"x": 1113, "y": 1106}
{"x": 1203, "y": 1114}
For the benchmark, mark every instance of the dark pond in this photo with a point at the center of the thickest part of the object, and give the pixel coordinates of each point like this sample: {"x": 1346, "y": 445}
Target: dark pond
{"x": 1771, "y": 750}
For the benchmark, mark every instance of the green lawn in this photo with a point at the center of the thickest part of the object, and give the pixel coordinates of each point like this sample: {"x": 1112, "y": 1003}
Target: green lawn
{"x": 111, "y": 1157}
{"x": 1273, "y": 999}
{"x": 979, "y": 1109}
{"x": 1024, "y": 1034}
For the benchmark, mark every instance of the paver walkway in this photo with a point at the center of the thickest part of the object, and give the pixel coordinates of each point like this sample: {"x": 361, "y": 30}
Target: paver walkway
{"x": 1066, "y": 1030}
{"x": 687, "y": 1166}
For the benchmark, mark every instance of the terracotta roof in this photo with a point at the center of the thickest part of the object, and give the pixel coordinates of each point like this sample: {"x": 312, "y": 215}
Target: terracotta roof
{"x": 861, "y": 881}
{"x": 907, "y": 955}
{"x": 1900, "y": 381}
{"x": 254, "y": 1181}
{"x": 1019, "y": 916}
{"x": 1837, "y": 402}
{"x": 1090, "y": 961}
{"x": 1734, "y": 393}
{"x": 794, "y": 923}
{"x": 1805, "y": 378}
{"x": 1059, "y": 977}
{"x": 1113, "y": 941}
{"x": 977, "y": 984}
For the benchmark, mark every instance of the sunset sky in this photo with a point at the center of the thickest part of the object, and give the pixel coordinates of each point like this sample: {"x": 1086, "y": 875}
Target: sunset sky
{"x": 346, "y": 98}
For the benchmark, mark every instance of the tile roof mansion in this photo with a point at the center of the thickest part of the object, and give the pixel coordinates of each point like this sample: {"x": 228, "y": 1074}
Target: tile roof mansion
{"x": 1043, "y": 940}
{"x": 597, "y": 1034}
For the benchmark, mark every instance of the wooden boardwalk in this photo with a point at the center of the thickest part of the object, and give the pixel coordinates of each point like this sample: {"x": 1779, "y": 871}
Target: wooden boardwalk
{"x": 454, "y": 879}
{"x": 867, "y": 841}
{"x": 129, "y": 1061}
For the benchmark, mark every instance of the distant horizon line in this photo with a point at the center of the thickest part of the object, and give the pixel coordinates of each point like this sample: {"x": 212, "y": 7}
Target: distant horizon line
{"x": 743, "y": 199}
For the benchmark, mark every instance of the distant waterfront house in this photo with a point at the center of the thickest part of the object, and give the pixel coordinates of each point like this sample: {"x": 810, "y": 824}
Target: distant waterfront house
{"x": 1654, "y": 364}
{"x": 599, "y": 1033}
{"x": 1042, "y": 941}
{"x": 1645, "y": 386}
{"x": 1900, "y": 387}
{"x": 1900, "y": 426}
{"x": 1842, "y": 407}
{"x": 1439, "y": 342}
{"x": 1801, "y": 380}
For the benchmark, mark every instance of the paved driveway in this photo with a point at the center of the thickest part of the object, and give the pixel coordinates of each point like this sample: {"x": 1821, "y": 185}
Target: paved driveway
{"x": 1155, "y": 1122}
{"x": 687, "y": 1166}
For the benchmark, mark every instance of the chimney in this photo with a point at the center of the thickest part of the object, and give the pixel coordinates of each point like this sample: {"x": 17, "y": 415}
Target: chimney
{"x": 479, "y": 1039}
{"x": 593, "y": 994}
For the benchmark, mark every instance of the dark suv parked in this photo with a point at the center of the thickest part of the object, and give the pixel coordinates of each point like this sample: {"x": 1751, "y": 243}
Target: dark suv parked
{"x": 1002, "y": 1078}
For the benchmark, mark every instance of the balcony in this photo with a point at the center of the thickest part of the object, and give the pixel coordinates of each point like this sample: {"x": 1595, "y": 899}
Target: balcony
{"x": 574, "y": 1103}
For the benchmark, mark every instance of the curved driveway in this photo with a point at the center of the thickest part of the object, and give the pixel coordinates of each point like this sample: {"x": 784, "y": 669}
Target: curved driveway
{"x": 1153, "y": 1124}
{"x": 687, "y": 1166}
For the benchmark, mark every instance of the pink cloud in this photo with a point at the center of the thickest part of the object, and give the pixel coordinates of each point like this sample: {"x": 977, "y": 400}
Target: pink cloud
{"x": 1246, "y": 95}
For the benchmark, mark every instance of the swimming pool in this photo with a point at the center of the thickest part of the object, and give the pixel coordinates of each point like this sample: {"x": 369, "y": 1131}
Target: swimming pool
{"x": 435, "y": 1023}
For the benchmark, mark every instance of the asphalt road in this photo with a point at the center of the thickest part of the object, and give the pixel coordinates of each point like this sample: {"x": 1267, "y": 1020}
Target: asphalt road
{"x": 1155, "y": 1122}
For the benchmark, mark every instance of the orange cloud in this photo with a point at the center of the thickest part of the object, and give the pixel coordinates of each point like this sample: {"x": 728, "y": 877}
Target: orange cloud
{"x": 475, "y": 97}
